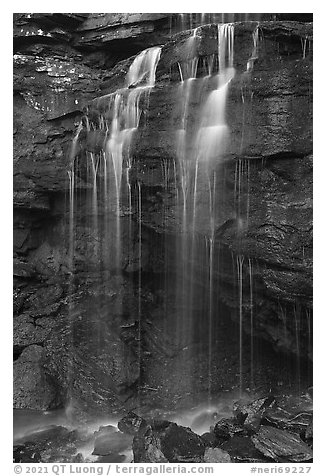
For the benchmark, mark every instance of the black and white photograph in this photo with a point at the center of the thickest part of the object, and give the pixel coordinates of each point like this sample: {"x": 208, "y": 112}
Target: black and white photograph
{"x": 162, "y": 240}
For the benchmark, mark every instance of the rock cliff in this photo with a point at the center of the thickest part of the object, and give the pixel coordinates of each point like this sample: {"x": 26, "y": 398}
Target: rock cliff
{"x": 62, "y": 64}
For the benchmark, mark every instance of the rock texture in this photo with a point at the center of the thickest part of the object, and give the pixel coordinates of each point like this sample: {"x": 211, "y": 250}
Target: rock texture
{"x": 163, "y": 441}
{"x": 33, "y": 387}
{"x": 62, "y": 63}
{"x": 280, "y": 445}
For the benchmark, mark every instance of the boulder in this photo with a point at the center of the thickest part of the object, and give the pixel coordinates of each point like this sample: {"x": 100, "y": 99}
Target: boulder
{"x": 295, "y": 422}
{"x": 242, "y": 450}
{"x": 132, "y": 424}
{"x": 53, "y": 445}
{"x": 108, "y": 441}
{"x": 281, "y": 446}
{"x": 227, "y": 428}
{"x": 216, "y": 455}
{"x": 308, "y": 435}
{"x": 180, "y": 444}
{"x": 147, "y": 448}
{"x": 291, "y": 412}
{"x": 250, "y": 414}
{"x": 163, "y": 441}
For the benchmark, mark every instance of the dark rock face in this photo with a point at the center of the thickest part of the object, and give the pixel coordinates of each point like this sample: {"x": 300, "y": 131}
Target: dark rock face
{"x": 216, "y": 455}
{"x": 292, "y": 414}
{"x": 132, "y": 424}
{"x": 308, "y": 436}
{"x": 110, "y": 441}
{"x": 269, "y": 153}
{"x": 92, "y": 366}
{"x": 242, "y": 450}
{"x": 250, "y": 414}
{"x": 280, "y": 445}
{"x": 33, "y": 387}
{"x": 227, "y": 428}
{"x": 62, "y": 63}
{"x": 56, "y": 444}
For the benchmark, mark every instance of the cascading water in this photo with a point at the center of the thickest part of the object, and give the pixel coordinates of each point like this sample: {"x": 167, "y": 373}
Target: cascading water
{"x": 107, "y": 168}
{"x": 240, "y": 260}
{"x": 199, "y": 149}
{"x": 116, "y": 200}
{"x": 196, "y": 202}
{"x": 118, "y": 123}
{"x": 251, "y": 294}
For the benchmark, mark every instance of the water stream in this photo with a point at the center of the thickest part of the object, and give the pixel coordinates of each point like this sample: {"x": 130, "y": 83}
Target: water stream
{"x": 205, "y": 340}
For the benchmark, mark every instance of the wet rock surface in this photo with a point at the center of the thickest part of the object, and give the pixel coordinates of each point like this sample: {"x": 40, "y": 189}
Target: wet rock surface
{"x": 242, "y": 450}
{"x": 227, "y": 428}
{"x": 156, "y": 441}
{"x": 216, "y": 455}
{"x": 26, "y": 454}
{"x": 99, "y": 367}
{"x": 110, "y": 441}
{"x": 33, "y": 386}
{"x": 62, "y": 64}
{"x": 281, "y": 445}
{"x": 166, "y": 441}
{"x": 249, "y": 415}
{"x": 56, "y": 444}
{"x": 132, "y": 424}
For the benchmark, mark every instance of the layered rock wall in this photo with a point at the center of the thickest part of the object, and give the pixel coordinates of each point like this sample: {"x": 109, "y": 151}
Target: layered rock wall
{"x": 62, "y": 63}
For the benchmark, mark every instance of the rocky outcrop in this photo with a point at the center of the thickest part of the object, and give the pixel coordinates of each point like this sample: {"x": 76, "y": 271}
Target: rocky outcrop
{"x": 33, "y": 387}
{"x": 158, "y": 441}
{"x": 110, "y": 441}
{"x": 260, "y": 215}
{"x": 280, "y": 445}
{"x": 90, "y": 363}
{"x": 56, "y": 444}
{"x": 62, "y": 64}
{"x": 162, "y": 441}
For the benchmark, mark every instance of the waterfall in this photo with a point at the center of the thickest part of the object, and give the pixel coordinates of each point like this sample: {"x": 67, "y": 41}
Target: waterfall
{"x": 117, "y": 125}
{"x": 105, "y": 169}
{"x": 240, "y": 260}
{"x": 117, "y": 203}
{"x": 200, "y": 147}
{"x": 139, "y": 282}
{"x": 212, "y": 132}
{"x": 251, "y": 294}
